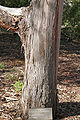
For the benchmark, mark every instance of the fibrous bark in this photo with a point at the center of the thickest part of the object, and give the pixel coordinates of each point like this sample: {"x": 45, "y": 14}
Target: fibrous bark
{"x": 39, "y": 28}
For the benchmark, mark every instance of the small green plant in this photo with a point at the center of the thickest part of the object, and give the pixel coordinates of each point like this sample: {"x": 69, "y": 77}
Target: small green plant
{"x": 2, "y": 65}
{"x": 13, "y": 69}
{"x": 18, "y": 86}
{"x": 12, "y": 77}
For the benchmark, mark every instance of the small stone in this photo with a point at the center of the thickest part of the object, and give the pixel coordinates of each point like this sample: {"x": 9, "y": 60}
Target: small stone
{"x": 3, "y": 99}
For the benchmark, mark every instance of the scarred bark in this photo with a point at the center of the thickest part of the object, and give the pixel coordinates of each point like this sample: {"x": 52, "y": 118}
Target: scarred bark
{"x": 39, "y": 28}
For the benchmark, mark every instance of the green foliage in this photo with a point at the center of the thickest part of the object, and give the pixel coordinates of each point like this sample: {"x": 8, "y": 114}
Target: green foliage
{"x": 71, "y": 18}
{"x": 12, "y": 77}
{"x": 2, "y": 65}
{"x": 15, "y": 3}
{"x": 18, "y": 86}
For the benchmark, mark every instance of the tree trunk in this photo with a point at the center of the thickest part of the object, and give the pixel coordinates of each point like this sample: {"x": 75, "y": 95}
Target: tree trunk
{"x": 39, "y": 28}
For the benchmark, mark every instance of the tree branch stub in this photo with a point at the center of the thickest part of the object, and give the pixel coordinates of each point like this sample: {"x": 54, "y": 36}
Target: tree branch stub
{"x": 13, "y": 19}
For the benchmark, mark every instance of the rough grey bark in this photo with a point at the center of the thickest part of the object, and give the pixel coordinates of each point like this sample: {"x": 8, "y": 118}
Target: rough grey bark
{"x": 39, "y": 28}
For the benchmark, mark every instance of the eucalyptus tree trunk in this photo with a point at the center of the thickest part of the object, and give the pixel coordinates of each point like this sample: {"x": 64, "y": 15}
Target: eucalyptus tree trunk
{"x": 39, "y": 28}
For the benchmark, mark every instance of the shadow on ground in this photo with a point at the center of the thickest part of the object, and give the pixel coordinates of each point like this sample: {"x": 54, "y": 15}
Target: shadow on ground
{"x": 69, "y": 81}
{"x": 69, "y": 45}
{"x": 67, "y": 109}
{"x": 69, "y": 63}
{"x": 10, "y": 46}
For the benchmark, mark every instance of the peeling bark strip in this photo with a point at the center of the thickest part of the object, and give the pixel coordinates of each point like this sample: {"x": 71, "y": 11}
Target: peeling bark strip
{"x": 39, "y": 28}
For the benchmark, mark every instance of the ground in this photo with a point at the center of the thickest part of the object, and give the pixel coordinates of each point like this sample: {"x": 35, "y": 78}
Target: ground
{"x": 69, "y": 81}
{"x": 12, "y": 72}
